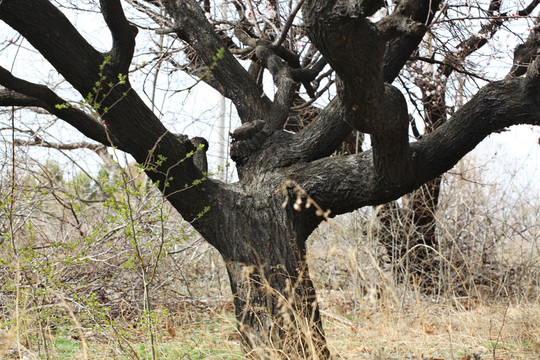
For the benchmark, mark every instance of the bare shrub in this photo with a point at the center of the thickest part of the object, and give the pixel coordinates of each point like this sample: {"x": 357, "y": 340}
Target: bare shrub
{"x": 94, "y": 254}
{"x": 487, "y": 245}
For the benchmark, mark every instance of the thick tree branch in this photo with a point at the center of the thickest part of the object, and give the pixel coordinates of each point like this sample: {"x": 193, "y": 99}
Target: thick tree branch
{"x": 496, "y": 106}
{"x": 354, "y": 47}
{"x": 309, "y": 74}
{"x": 123, "y": 34}
{"x": 25, "y": 93}
{"x": 282, "y": 72}
{"x": 199, "y": 157}
{"x": 128, "y": 118}
{"x": 399, "y": 50}
{"x": 524, "y": 54}
{"x": 396, "y": 25}
{"x": 529, "y": 8}
{"x": 193, "y": 27}
{"x": 532, "y": 79}
{"x": 391, "y": 157}
{"x": 321, "y": 137}
{"x": 12, "y": 98}
{"x": 51, "y": 33}
{"x": 324, "y": 133}
{"x": 286, "y": 86}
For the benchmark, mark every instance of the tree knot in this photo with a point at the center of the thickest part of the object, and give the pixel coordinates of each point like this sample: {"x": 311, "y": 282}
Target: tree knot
{"x": 246, "y": 140}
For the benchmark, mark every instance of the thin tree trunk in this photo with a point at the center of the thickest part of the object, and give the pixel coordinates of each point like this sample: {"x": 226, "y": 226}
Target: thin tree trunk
{"x": 408, "y": 233}
{"x": 424, "y": 203}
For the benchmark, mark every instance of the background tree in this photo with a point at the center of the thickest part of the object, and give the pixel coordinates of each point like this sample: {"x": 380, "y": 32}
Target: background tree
{"x": 332, "y": 66}
{"x": 409, "y": 228}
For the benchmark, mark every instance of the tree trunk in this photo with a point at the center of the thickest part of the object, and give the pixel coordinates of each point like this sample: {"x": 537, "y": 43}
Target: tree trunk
{"x": 424, "y": 203}
{"x": 277, "y": 311}
{"x": 408, "y": 234}
{"x": 414, "y": 250}
{"x": 264, "y": 249}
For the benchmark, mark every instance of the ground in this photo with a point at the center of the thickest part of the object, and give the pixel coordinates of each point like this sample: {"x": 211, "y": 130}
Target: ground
{"x": 376, "y": 330}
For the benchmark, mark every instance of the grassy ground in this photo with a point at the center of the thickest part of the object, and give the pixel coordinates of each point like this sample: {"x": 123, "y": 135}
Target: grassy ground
{"x": 374, "y": 330}
{"x": 437, "y": 332}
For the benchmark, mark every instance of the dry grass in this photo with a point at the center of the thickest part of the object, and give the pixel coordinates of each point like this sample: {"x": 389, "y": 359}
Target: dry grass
{"x": 433, "y": 331}
{"x": 422, "y": 330}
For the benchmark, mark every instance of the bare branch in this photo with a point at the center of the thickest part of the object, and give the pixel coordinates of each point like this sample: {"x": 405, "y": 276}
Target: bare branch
{"x": 253, "y": 14}
{"x": 288, "y": 24}
{"x": 470, "y": 45}
{"x": 496, "y": 106}
{"x": 36, "y": 141}
{"x": 448, "y": 65}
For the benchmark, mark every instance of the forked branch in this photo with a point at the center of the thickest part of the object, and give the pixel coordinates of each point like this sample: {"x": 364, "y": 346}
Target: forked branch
{"x": 193, "y": 27}
{"x": 123, "y": 35}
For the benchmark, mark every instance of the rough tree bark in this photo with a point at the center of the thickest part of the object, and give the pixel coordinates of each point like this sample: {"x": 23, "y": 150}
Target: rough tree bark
{"x": 263, "y": 242}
